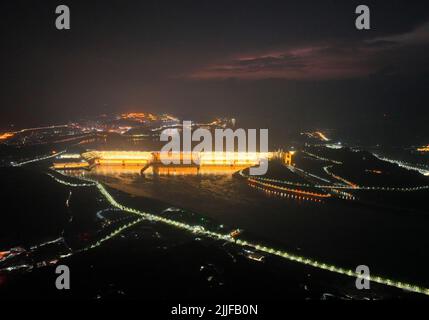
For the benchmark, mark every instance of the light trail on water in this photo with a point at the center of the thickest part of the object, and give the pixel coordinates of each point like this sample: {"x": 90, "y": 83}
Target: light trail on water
{"x": 343, "y": 187}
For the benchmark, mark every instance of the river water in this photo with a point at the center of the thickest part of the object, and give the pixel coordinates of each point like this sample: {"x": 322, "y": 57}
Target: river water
{"x": 390, "y": 242}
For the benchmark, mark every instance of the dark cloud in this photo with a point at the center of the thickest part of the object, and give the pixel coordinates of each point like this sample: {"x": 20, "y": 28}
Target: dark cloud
{"x": 332, "y": 59}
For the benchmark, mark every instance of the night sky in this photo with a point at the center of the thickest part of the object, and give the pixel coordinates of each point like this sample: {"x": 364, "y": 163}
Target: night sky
{"x": 285, "y": 65}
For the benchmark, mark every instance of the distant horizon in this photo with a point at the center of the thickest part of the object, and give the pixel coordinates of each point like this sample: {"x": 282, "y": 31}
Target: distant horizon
{"x": 269, "y": 64}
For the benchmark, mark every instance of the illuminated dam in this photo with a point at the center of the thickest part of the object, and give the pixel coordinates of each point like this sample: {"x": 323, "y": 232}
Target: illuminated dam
{"x": 180, "y": 158}
{"x": 166, "y": 163}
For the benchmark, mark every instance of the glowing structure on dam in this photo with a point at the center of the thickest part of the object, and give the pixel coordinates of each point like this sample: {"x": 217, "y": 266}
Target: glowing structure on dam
{"x": 202, "y": 158}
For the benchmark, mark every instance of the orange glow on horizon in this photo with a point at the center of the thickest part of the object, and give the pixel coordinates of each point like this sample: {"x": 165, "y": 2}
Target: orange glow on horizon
{"x": 4, "y": 254}
{"x": 322, "y": 136}
{"x": 139, "y": 116}
{"x": 6, "y": 135}
{"x": 423, "y": 149}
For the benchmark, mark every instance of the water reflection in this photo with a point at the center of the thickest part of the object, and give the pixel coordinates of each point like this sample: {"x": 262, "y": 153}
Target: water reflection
{"x": 159, "y": 170}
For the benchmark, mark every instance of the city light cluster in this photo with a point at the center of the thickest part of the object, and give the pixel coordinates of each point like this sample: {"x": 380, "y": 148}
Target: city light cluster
{"x": 423, "y": 149}
{"x": 322, "y": 136}
{"x": 6, "y": 135}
